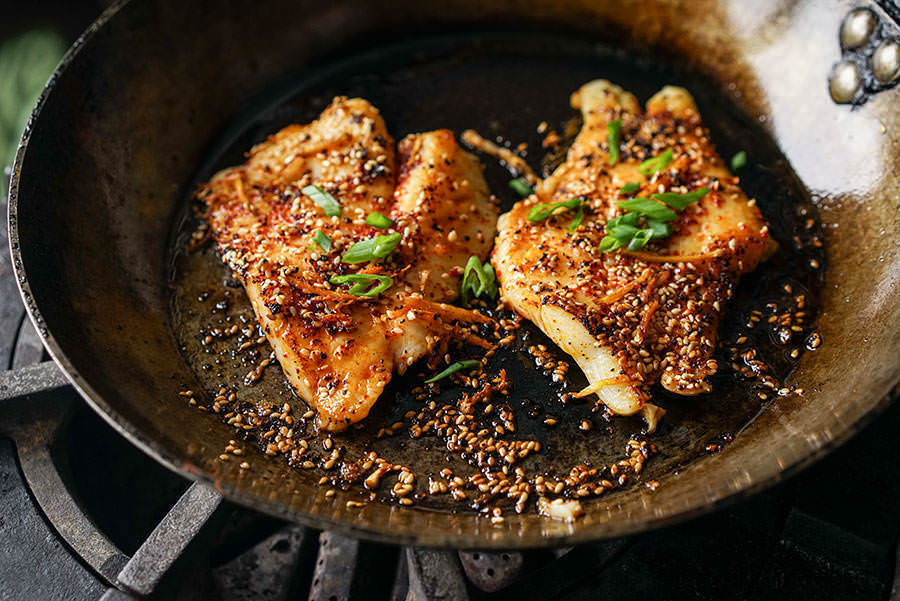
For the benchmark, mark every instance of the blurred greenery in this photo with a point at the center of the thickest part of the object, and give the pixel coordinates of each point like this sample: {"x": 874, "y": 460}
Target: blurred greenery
{"x": 26, "y": 62}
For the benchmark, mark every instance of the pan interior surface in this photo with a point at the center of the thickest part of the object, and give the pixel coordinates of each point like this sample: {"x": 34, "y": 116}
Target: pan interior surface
{"x": 503, "y": 85}
{"x": 109, "y": 158}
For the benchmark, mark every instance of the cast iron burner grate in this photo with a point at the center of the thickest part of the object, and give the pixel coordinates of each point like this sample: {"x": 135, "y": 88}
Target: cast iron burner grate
{"x": 87, "y": 516}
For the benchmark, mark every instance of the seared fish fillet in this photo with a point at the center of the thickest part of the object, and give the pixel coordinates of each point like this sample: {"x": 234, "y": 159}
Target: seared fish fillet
{"x": 338, "y": 350}
{"x": 632, "y": 319}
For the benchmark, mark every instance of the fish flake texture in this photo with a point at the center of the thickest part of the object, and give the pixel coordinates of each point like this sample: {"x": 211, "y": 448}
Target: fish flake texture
{"x": 632, "y": 319}
{"x": 339, "y": 350}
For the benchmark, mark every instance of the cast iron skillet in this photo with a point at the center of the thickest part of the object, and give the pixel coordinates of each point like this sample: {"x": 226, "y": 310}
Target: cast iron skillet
{"x": 142, "y": 101}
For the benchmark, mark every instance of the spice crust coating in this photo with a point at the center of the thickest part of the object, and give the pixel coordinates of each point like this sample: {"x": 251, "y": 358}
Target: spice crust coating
{"x": 339, "y": 350}
{"x": 631, "y": 319}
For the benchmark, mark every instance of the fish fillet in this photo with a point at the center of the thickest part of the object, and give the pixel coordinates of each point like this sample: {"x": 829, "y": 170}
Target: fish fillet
{"x": 339, "y": 350}
{"x": 633, "y": 319}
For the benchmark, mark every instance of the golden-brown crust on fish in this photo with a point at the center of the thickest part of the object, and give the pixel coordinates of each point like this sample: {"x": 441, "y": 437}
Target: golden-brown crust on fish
{"x": 338, "y": 351}
{"x": 632, "y": 319}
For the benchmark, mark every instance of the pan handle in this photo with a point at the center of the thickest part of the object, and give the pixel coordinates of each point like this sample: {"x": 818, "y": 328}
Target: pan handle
{"x": 869, "y": 38}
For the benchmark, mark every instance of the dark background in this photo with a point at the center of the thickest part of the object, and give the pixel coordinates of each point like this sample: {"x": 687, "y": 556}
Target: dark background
{"x": 33, "y": 36}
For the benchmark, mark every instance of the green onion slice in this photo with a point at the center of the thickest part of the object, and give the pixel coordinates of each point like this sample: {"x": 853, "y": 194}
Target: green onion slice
{"x": 362, "y": 283}
{"x": 543, "y": 211}
{"x": 623, "y": 233}
{"x": 453, "y": 368}
{"x": 648, "y": 208}
{"x": 491, "y": 276}
{"x": 322, "y": 240}
{"x": 478, "y": 279}
{"x": 322, "y": 198}
{"x": 681, "y": 201}
{"x": 640, "y": 239}
{"x": 629, "y": 188}
{"x": 626, "y": 219}
{"x": 657, "y": 163}
{"x": 579, "y": 217}
{"x": 660, "y": 229}
{"x": 371, "y": 249}
{"x": 738, "y": 161}
{"x": 609, "y": 243}
{"x": 521, "y": 187}
{"x": 614, "y": 133}
{"x": 376, "y": 219}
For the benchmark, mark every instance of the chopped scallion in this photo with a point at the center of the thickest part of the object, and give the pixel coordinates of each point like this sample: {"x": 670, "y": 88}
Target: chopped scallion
{"x": 657, "y": 163}
{"x": 645, "y": 220}
{"x": 609, "y": 244}
{"x": 579, "y": 217}
{"x": 622, "y": 232}
{"x": 322, "y": 240}
{"x": 543, "y": 211}
{"x": 478, "y": 279}
{"x": 453, "y": 368}
{"x": 376, "y": 219}
{"x": 681, "y": 201}
{"x": 640, "y": 239}
{"x": 738, "y": 161}
{"x": 648, "y": 208}
{"x": 371, "y": 249}
{"x": 629, "y": 188}
{"x": 660, "y": 229}
{"x": 614, "y": 133}
{"x": 626, "y": 219}
{"x": 521, "y": 187}
{"x": 362, "y": 283}
{"x": 322, "y": 198}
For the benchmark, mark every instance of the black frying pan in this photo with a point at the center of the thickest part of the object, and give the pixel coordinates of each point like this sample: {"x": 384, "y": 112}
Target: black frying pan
{"x": 155, "y": 98}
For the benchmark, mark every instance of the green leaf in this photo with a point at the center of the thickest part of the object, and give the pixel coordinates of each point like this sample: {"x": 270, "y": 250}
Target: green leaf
{"x": 738, "y": 161}
{"x": 371, "y": 249}
{"x": 376, "y": 219}
{"x": 614, "y": 132}
{"x": 521, "y": 187}
{"x": 648, "y": 208}
{"x": 362, "y": 283}
{"x": 543, "y": 211}
{"x": 322, "y": 198}
{"x": 681, "y": 201}
{"x": 322, "y": 240}
{"x": 453, "y": 368}
{"x": 629, "y": 188}
{"x": 657, "y": 163}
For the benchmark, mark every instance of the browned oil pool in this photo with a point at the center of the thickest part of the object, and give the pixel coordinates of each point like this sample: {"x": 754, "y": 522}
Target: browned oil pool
{"x": 504, "y": 85}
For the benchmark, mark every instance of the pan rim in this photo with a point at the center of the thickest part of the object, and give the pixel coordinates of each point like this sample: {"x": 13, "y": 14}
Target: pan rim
{"x": 714, "y": 499}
